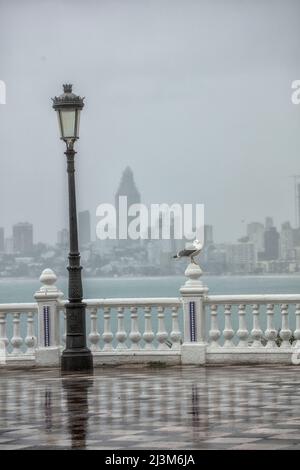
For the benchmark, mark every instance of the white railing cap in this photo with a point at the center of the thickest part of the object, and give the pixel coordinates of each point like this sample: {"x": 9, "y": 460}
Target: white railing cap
{"x": 253, "y": 299}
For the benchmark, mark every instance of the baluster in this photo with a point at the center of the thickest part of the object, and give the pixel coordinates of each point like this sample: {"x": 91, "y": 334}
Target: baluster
{"x": 148, "y": 335}
{"x": 16, "y": 340}
{"x": 107, "y": 333}
{"x": 242, "y": 332}
{"x": 161, "y": 334}
{"x": 297, "y": 330}
{"x": 256, "y": 332}
{"x": 214, "y": 332}
{"x": 3, "y": 335}
{"x": 175, "y": 335}
{"x": 134, "y": 335}
{"x": 64, "y": 336}
{"x": 94, "y": 335}
{"x": 271, "y": 332}
{"x": 121, "y": 334}
{"x": 30, "y": 339}
{"x": 285, "y": 333}
{"x": 228, "y": 332}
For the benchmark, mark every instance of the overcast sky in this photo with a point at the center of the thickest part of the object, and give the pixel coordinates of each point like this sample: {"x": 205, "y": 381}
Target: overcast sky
{"x": 194, "y": 95}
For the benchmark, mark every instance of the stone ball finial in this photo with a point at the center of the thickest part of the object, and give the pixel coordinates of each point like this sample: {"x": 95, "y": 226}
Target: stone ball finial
{"x": 48, "y": 277}
{"x": 193, "y": 271}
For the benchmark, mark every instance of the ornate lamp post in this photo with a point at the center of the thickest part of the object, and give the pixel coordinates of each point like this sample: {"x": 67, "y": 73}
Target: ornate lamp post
{"x": 76, "y": 356}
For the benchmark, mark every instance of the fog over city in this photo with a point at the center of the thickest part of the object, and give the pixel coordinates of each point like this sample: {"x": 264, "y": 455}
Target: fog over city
{"x": 193, "y": 95}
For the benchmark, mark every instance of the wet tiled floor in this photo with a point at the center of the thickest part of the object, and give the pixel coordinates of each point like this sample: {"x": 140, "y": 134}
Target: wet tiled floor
{"x": 152, "y": 408}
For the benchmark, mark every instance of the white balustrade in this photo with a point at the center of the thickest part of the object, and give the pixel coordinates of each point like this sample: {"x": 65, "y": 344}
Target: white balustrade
{"x": 214, "y": 328}
{"x": 22, "y": 343}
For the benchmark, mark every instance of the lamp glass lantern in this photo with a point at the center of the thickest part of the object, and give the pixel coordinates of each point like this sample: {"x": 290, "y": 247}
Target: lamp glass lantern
{"x": 68, "y": 107}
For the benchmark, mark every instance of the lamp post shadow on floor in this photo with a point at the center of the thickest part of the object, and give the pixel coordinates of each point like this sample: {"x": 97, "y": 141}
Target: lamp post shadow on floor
{"x": 76, "y": 356}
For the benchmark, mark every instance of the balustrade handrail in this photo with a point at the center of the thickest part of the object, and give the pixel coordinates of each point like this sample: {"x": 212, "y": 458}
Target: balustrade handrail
{"x": 18, "y": 307}
{"x": 130, "y": 302}
{"x": 252, "y": 299}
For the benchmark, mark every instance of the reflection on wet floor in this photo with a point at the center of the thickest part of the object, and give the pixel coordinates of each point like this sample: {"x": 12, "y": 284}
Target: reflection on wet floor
{"x": 143, "y": 408}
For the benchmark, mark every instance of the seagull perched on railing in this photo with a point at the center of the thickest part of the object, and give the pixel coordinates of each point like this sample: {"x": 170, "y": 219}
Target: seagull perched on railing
{"x": 190, "y": 251}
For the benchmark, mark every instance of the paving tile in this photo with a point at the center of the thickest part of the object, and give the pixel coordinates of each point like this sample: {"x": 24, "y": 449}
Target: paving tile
{"x": 177, "y": 408}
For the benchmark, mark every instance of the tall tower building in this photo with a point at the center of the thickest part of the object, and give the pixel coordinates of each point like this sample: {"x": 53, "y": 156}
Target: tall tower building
{"x": 23, "y": 238}
{"x": 127, "y": 188}
{"x": 271, "y": 244}
{"x": 84, "y": 228}
{"x": 255, "y": 233}
{"x": 286, "y": 241}
{"x": 269, "y": 222}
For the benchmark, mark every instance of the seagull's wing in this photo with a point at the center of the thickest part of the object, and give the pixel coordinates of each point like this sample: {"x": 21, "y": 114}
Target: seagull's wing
{"x": 186, "y": 252}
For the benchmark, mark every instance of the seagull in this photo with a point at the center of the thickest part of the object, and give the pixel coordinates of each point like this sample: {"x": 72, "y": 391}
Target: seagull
{"x": 191, "y": 251}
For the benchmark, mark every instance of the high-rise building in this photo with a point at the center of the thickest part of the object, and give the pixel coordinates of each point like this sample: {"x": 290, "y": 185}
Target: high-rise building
{"x": 127, "y": 188}
{"x": 2, "y": 242}
{"x": 255, "y": 234}
{"x": 269, "y": 223}
{"x": 286, "y": 241}
{"x": 84, "y": 228}
{"x": 271, "y": 244}
{"x": 63, "y": 238}
{"x": 23, "y": 238}
{"x": 241, "y": 257}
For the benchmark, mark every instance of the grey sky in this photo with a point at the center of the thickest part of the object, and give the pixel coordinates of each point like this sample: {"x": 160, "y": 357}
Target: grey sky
{"x": 194, "y": 95}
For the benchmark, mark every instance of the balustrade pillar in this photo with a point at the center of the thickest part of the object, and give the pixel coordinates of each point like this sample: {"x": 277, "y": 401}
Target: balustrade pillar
{"x": 48, "y": 297}
{"x": 193, "y": 292}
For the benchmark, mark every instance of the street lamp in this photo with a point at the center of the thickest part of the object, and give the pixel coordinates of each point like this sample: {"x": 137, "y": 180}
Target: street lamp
{"x": 76, "y": 356}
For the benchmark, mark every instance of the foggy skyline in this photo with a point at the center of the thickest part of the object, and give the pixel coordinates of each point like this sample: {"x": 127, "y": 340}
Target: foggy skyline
{"x": 194, "y": 95}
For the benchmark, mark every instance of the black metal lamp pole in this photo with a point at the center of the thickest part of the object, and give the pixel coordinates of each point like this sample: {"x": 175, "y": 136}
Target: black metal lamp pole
{"x": 76, "y": 356}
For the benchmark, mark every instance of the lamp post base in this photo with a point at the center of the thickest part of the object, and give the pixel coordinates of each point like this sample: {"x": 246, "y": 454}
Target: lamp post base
{"x": 81, "y": 360}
